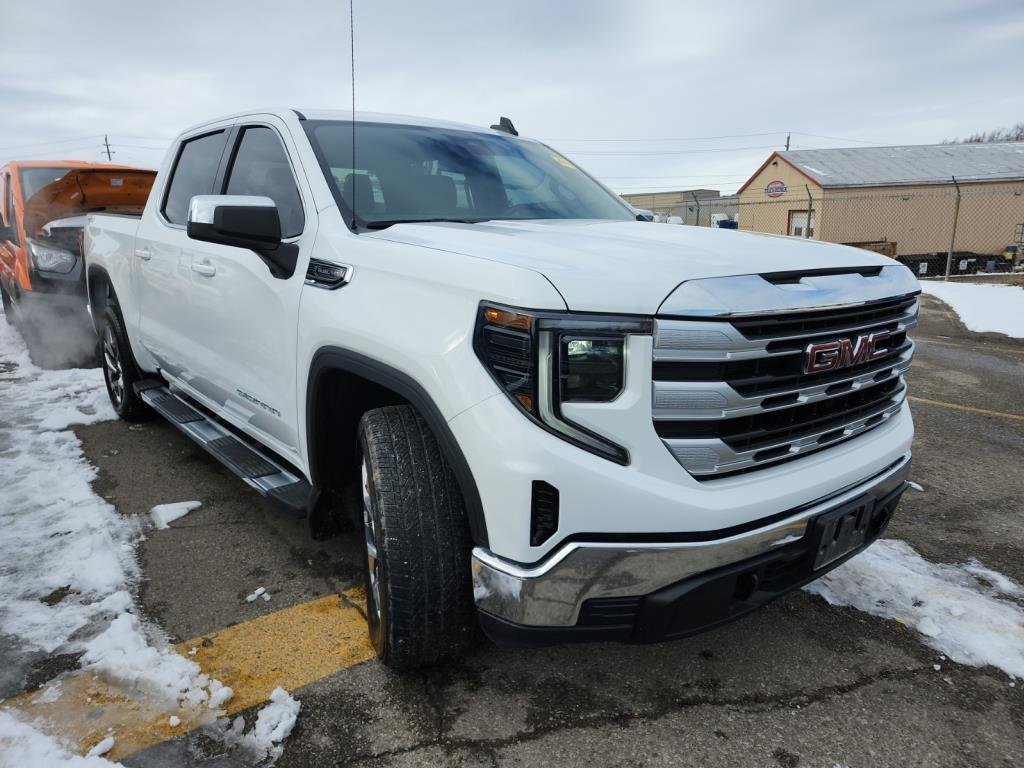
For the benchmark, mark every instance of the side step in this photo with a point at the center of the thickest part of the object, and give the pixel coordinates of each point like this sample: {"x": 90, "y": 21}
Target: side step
{"x": 257, "y": 469}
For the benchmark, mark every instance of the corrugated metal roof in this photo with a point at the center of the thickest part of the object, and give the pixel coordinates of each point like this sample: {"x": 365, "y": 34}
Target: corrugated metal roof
{"x": 918, "y": 164}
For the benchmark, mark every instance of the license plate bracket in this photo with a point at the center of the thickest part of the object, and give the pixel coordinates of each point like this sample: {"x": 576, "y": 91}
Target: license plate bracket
{"x": 841, "y": 531}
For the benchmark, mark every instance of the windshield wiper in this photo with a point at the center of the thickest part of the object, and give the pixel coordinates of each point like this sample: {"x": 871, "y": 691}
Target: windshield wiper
{"x": 385, "y": 223}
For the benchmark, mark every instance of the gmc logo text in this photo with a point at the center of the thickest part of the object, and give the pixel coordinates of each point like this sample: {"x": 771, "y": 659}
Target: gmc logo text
{"x": 842, "y": 353}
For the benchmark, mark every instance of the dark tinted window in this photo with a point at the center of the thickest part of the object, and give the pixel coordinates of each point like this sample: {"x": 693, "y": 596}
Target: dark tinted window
{"x": 418, "y": 173}
{"x": 261, "y": 168}
{"x": 193, "y": 175}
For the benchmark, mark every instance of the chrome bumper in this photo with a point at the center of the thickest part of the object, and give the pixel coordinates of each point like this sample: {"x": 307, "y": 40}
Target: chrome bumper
{"x": 551, "y": 594}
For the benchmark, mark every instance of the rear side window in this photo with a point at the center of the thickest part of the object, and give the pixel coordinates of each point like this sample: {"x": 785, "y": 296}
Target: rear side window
{"x": 194, "y": 174}
{"x": 261, "y": 168}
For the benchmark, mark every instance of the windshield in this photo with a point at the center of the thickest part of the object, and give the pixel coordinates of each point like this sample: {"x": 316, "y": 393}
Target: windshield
{"x": 34, "y": 179}
{"x": 414, "y": 173}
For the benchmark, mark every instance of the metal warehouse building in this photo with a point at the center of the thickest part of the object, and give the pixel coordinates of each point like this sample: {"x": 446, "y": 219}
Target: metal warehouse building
{"x": 902, "y": 201}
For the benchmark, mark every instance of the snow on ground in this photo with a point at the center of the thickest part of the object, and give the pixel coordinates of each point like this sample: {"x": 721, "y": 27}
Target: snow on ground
{"x": 273, "y": 725}
{"x": 983, "y": 308}
{"x": 24, "y": 747}
{"x": 967, "y": 612}
{"x": 164, "y": 514}
{"x": 67, "y": 559}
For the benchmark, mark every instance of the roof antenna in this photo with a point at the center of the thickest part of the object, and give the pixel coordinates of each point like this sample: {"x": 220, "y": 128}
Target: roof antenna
{"x": 352, "y": 48}
{"x": 505, "y": 125}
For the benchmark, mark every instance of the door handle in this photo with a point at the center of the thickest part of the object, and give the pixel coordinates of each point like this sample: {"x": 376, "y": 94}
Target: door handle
{"x": 204, "y": 268}
{"x": 143, "y": 253}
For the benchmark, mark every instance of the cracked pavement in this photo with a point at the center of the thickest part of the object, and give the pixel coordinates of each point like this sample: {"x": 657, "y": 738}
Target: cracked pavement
{"x": 798, "y": 683}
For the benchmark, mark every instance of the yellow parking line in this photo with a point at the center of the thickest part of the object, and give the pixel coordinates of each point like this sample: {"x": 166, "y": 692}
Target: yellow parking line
{"x": 289, "y": 648}
{"x": 968, "y": 408}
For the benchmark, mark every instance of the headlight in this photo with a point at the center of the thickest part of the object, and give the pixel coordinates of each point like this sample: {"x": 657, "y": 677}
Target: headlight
{"x": 544, "y": 359}
{"x": 50, "y": 259}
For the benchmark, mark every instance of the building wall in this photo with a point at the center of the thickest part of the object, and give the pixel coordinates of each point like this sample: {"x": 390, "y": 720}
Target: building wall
{"x": 760, "y": 213}
{"x": 668, "y": 202}
{"x": 919, "y": 219}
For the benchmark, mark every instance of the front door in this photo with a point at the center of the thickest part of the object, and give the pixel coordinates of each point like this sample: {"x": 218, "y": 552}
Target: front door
{"x": 163, "y": 255}
{"x": 244, "y": 318}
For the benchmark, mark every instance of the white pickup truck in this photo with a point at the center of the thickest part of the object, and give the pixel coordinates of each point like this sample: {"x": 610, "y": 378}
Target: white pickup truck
{"x": 547, "y": 417}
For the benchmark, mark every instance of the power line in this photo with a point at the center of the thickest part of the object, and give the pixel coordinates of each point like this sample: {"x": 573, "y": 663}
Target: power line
{"x": 675, "y": 176}
{"x": 845, "y": 138}
{"x": 50, "y": 154}
{"x": 51, "y": 143}
{"x": 687, "y": 138}
{"x": 664, "y": 152}
{"x": 725, "y": 136}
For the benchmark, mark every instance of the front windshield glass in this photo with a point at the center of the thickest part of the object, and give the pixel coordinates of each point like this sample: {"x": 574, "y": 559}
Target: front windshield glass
{"x": 34, "y": 179}
{"x": 414, "y": 173}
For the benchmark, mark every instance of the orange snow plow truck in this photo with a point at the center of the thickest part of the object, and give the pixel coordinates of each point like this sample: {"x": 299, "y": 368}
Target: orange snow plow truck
{"x": 43, "y": 205}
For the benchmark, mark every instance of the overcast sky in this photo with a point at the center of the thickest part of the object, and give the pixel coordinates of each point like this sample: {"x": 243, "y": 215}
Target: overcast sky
{"x": 886, "y": 72}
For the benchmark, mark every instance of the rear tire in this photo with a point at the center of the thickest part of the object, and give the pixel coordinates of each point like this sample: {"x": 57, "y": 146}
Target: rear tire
{"x": 119, "y": 370}
{"x": 419, "y": 592}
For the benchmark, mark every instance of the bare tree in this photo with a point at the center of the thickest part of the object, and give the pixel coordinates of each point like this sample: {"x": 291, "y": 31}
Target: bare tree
{"x": 1015, "y": 133}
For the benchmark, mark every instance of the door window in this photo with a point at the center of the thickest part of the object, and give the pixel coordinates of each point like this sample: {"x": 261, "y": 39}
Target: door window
{"x": 194, "y": 174}
{"x": 261, "y": 167}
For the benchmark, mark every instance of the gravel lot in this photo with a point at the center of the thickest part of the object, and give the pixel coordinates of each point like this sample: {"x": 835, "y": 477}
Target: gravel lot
{"x": 800, "y": 683}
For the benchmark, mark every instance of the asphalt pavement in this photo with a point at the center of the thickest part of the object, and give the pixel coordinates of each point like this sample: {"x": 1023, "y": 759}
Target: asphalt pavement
{"x": 799, "y": 683}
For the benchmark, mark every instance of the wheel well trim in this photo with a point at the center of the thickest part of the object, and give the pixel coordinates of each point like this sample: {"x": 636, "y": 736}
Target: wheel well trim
{"x": 336, "y": 358}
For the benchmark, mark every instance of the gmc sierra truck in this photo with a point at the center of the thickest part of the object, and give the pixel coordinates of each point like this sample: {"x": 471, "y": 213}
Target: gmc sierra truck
{"x": 547, "y": 417}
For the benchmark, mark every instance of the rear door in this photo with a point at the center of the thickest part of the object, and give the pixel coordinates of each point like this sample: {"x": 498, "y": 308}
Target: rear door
{"x": 245, "y": 318}
{"x": 163, "y": 254}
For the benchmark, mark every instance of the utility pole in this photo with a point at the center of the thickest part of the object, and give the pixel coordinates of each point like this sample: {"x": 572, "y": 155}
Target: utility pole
{"x": 952, "y": 237}
{"x": 787, "y": 141}
{"x": 810, "y": 212}
{"x": 106, "y": 148}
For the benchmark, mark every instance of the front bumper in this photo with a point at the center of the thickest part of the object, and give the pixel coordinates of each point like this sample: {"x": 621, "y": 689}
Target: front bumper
{"x": 653, "y": 590}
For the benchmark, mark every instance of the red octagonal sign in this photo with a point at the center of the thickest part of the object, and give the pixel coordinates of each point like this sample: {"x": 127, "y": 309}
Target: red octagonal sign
{"x": 775, "y": 188}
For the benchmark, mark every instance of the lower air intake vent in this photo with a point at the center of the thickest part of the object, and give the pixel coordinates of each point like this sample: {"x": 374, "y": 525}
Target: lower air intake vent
{"x": 543, "y": 512}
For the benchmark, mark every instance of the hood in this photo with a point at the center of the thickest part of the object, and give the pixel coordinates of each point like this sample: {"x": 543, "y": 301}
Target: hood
{"x": 87, "y": 190}
{"x": 624, "y": 266}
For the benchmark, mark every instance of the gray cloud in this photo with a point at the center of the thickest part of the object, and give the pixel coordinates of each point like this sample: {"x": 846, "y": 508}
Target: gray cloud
{"x": 888, "y": 71}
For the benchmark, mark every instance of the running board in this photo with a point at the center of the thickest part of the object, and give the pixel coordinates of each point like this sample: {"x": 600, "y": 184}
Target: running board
{"x": 269, "y": 477}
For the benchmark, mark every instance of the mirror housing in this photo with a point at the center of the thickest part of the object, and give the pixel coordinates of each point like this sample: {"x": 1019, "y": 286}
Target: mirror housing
{"x": 243, "y": 221}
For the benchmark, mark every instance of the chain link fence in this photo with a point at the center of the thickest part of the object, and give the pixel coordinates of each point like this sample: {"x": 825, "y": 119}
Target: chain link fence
{"x": 936, "y": 230}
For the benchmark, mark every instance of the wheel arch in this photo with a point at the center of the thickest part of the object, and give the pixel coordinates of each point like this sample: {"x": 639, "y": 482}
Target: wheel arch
{"x": 100, "y": 294}
{"x": 373, "y": 384}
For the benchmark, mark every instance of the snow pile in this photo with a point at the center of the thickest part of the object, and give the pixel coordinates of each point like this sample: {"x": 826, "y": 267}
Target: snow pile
{"x": 67, "y": 560}
{"x": 122, "y": 653}
{"x": 967, "y": 612}
{"x": 258, "y": 592}
{"x": 104, "y": 746}
{"x": 22, "y": 746}
{"x": 273, "y": 725}
{"x": 67, "y": 556}
{"x": 983, "y": 308}
{"x": 165, "y": 514}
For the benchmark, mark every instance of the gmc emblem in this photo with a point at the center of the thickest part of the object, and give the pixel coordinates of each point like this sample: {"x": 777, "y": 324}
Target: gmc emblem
{"x": 842, "y": 353}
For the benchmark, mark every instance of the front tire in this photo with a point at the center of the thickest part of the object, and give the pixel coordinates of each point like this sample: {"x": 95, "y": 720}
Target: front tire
{"x": 119, "y": 370}
{"x": 419, "y": 594}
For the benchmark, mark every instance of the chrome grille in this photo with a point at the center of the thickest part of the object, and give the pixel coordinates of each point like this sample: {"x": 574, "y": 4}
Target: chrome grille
{"x": 730, "y": 395}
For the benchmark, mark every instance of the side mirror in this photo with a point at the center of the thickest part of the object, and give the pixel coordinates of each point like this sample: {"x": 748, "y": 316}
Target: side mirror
{"x": 243, "y": 221}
